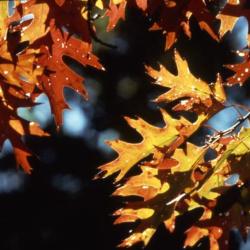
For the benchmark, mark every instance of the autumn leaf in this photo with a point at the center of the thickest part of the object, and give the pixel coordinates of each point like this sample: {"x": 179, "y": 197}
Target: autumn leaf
{"x": 56, "y": 44}
{"x": 241, "y": 70}
{"x": 24, "y": 74}
{"x": 58, "y": 75}
{"x": 3, "y": 19}
{"x": 46, "y": 12}
{"x": 221, "y": 167}
{"x": 185, "y": 86}
{"x": 174, "y": 175}
{"x": 172, "y": 17}
{"x": 162, "y": 189}
{"x": 236, "y": 155}
{"x": 117, "y": 8}
{"x": 13, "y": 127}
{"x": 22, "y": 68}
{"x": 231, "y": 13}
{"x": 160, "y": 194}
{"x": 115, "y": 12}
{"x": 38, "y": 12}
{"x": 194, "y": 234}
{"x": 153, "y": 137}
{"x": 145, "y": 185}
{"x": 142, "y": 4}
{"x": 175, "y": 17}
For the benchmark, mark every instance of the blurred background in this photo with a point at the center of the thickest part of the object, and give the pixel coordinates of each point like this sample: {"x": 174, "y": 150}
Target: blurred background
{"x": 59, "y": 206}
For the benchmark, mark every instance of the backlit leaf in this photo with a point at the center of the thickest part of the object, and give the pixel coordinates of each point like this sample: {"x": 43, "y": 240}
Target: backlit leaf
{"x": 153, "y": 137}
{"x": 185, "y": 85}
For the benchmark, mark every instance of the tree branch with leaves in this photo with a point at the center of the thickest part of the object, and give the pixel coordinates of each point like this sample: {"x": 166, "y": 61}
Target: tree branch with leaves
{"x": 174, "y": 175}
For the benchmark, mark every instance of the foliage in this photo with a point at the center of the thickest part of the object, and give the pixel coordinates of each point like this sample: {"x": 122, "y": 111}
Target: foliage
{"x": 173, "y": 176}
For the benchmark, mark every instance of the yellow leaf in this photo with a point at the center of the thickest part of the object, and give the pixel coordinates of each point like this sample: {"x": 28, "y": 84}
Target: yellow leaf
{"x": 187, "y": 160}
{"x": 3, "y": 16}
{"x": 38, "y": 27}
{"x": 215, "y": 181}
{"x": 161, "y": 192}
{"x": 185, "y": 85}
{"x": 24, "y": 69}
{"x": 145, "y": 185}
{"x": 153, "y": 137}
{"x": 241, "y": 145}
{"x": 218, "y": 90}
{"x": 217, "y": 175}
{"x": 118, "y": 1}
{"x": 227, "y": 19}
{"x": 99, "y": 4}
{"x": 144, "y": 237}
{"x": 134, "y": 214}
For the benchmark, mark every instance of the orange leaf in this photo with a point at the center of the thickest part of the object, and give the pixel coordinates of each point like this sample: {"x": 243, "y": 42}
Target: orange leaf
{"x": 115, "y": 13}
{"x": 184, "y": 85}
{"x": 58, "y": 75}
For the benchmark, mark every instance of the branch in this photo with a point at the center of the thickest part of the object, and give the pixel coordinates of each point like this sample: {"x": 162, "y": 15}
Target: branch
{"x": 211, "y": 140}
{"x": 228, "y": 131}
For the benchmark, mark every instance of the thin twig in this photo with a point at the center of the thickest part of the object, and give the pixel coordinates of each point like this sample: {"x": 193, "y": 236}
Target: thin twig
{"x": 211, "y": 140}
{"x": 228, "y": 131}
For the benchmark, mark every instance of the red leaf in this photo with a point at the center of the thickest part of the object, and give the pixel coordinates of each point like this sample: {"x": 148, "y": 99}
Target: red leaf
{"x": 115, "y": 13}
{"x": 58, "y": 75}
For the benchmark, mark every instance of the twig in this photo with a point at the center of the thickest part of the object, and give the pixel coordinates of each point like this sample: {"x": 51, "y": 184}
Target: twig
{"x": 211, "y": 140}
{"x": 228, "y": 131}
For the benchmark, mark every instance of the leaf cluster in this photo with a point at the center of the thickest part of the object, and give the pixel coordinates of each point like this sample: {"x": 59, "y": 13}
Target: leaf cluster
{"x": 174, "y": 177}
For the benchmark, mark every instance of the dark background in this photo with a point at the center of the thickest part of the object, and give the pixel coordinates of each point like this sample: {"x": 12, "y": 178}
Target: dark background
{"x": 59, "y": 206}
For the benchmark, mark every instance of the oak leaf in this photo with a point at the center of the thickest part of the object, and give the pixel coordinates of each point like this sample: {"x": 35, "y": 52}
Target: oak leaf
{"x": 194, "y": 234}
{"x": 153, "y": 137}
{"x": 231, "y": 13}
{"x": 162, "y": 189}
{"x": 217, "y": 227}
{"x": 13, "y": 127}
{"x": 160, "y": 194}
{"x": 194, "y": 92}
{"x": 115, "y": 12}
{"x": 3, "y": 19}
{"x": 57, "y": 74}
{"x": 175, "y": 17}
{"x": 22, "y": 68}
{"x": 241, "y": 70}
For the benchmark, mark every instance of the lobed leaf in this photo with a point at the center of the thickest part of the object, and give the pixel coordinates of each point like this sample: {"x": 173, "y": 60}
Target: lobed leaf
{"x": 153, "y": 138}
{"x": 194, "y": 92}
{"x": 169, "y": 187}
